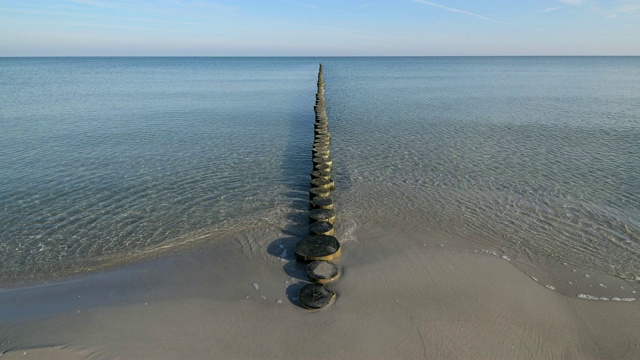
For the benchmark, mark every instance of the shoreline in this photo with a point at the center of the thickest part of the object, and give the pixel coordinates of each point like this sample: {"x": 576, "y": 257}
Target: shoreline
{"x": 397, "y": 298}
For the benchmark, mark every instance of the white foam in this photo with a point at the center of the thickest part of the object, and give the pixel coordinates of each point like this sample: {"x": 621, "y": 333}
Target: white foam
{"x": 255, "y": 286}
{"x": 279, "y": 301}
{"x": 348, "y": 230}
{"x": 534, "y": 278}
{"x": 591, "y": 297}
{"x": 603, "y": 298}
{"x": 263, "y": 297}
{"x": 490, "y": 252}
{"x": 505, "y": 257}
{"x": 550, "y": 287}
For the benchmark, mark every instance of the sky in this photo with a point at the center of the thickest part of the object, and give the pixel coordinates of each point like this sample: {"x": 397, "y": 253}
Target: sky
{"x": 318, "y": 28}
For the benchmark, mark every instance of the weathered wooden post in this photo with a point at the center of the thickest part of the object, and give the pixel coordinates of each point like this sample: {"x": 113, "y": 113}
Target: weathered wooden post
{"x": 320, "y": 247}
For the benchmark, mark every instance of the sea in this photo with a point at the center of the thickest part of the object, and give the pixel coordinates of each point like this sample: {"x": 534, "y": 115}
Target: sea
{"x": 108, "y": 160}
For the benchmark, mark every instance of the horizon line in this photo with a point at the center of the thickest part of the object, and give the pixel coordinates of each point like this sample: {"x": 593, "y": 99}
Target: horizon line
{"x": 295, "y": 56}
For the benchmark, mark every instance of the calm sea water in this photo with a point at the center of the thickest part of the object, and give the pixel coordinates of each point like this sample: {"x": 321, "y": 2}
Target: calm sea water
{"x": 110, "y": 158}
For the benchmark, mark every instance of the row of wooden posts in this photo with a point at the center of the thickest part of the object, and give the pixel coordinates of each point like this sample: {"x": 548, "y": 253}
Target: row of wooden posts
{"x": 320, "y": 249}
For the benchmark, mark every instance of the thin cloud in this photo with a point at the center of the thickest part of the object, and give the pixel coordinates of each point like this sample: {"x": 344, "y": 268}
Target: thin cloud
{"x": 111, "y": 3}
{"x": 96, "y": 3}
{"x": 315, "y": 7}
{"x": 116, "y": 27}
{"x": 129, "y": 19}
{"x": 572, "y": 2}
{"x": 550, "y": 9}
{"x": 628, "y": 8}
{"x": 150, "y": 5}
{"x": 459, "y": 11}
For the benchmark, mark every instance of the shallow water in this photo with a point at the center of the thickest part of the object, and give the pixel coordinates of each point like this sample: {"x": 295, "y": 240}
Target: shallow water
{"x": 534, "y": 158}
{"x": 537, "y": 157}
{"x": 107, "y": 158}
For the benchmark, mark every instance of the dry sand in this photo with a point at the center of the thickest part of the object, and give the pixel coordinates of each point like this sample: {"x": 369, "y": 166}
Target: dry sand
{"x": 401, "y": 296}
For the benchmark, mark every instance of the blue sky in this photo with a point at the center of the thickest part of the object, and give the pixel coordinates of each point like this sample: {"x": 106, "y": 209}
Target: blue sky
{"x": 313, "y": 27}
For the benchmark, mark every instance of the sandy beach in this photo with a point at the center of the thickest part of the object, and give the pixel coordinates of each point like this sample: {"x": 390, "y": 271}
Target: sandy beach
{"x": 401, "y": 295}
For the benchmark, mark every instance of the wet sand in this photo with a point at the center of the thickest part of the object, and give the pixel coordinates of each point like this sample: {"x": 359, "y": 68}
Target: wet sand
{"x": 402, "y": 295}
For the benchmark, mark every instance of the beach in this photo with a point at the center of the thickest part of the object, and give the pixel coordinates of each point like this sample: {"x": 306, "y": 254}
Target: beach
{"x": 487, "y": 208}
{"x": 401, "y": 296}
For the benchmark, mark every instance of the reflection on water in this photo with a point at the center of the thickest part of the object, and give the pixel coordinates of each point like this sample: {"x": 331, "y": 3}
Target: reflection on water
{"x": 106, "y": 158}
{"x": 538, "y": 157}
{"x": 109, "y": 158}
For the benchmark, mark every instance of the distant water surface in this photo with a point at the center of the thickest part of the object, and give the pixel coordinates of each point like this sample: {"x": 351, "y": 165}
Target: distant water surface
{"x": 111, "y": 157}
{"x": 105, "y": 158}
{"x": 539, "y": 157}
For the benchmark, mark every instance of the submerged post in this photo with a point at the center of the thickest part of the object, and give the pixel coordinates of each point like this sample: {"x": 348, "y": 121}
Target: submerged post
{"x": 320, "y": 247}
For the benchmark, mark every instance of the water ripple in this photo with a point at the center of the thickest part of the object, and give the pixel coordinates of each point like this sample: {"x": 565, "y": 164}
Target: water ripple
{"x": 539, "y": 169}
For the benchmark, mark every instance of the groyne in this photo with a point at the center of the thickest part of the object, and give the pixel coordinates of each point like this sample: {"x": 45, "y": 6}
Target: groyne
{"x": 320, "y": 248}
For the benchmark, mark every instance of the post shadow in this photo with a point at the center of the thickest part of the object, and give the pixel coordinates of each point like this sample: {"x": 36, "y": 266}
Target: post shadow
{"x": 296, "y": 167}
